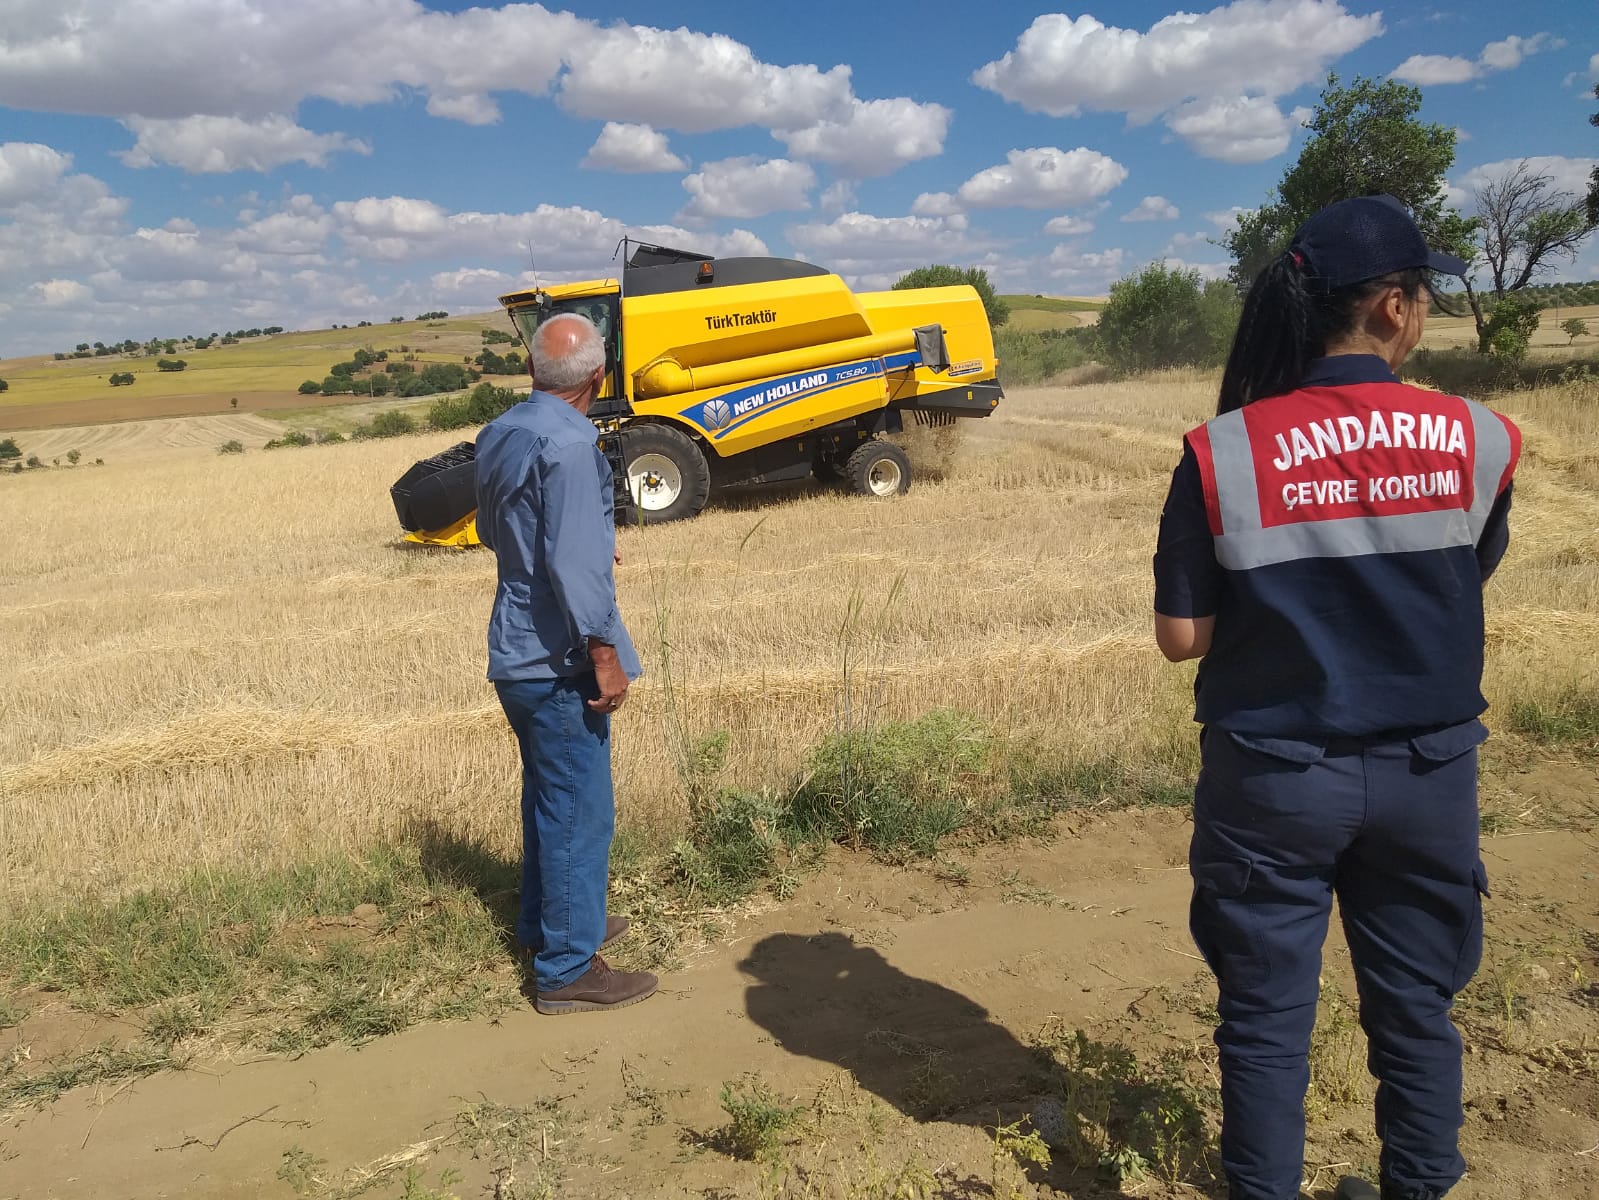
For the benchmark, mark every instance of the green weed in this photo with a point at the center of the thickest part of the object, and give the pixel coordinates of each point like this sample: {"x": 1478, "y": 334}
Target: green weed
{"x": 1128, "y": 1118}
{"x": 104, "y": 1064}
{"x": 757, "y": 1119}
{"x": 1570, "y": 719}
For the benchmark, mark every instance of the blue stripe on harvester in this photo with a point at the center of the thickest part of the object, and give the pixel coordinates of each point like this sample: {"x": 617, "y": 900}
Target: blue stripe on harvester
{"x": 717, "y": 415}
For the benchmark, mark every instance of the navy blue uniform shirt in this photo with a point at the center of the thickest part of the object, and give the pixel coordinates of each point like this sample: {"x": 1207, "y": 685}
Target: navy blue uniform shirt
{"x": 545, "y": 497}
{"x": 1325, "y": 643}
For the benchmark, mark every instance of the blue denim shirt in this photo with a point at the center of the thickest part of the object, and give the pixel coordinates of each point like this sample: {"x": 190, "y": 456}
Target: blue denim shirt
{"x": 544, "y": 506}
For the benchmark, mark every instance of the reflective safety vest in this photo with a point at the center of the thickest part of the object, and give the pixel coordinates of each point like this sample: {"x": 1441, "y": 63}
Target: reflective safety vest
{"x": 1346, "y": 519}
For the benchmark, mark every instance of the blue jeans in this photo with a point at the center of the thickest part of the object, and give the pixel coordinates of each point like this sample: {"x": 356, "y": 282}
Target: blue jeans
{"x": 1390, "y": 826}
{"x": 568, "y": 816}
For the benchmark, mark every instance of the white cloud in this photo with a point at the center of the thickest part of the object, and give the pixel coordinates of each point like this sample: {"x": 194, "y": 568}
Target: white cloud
{"x": 253, "y": 58}
{"x": 1086, "y": 270}
{"x": 695, "y": 82}
{"x": 877, "y": 137}
{"x": 403, "y": 229}
{"x": 1153, "y": 208}
{"x": 213, "y": 145}
{"x": 301, "y": 228}
{"x": 29, "y": 170}
{"x": 1068, "y": 226}
{"x": 747, "y": 187}
{"x": 1181, "y": 242}
{"x": 1428, "y": 70}
{"x": 1568, "y": 175}
{"x": 1301, "y": 116}
{"x": 1508, "y": 54}
{"x": 877, "y": 250}
{"x": 1242, "y": 129}
{"x": 1206, "y": 270}
{"x": 1203, "y": 68}
{"x": 83, "y": 271}
{"x": 1226, "y": 219}
{"x": 632, "y": 150}
{"x": 55, "y": 293}
{"x": 471, "y": 287}
{"x": 256, "y": 60}
{"x": 1043, "y": 177}
{"x": 935, "y": 204}
{"x": 837, "y": 196}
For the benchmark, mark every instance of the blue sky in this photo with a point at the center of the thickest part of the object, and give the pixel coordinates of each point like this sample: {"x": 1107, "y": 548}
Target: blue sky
{"x": 175, "y": 166}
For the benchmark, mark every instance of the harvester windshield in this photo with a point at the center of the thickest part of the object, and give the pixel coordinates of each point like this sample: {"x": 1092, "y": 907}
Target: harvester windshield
{"x": 599, "y": 309}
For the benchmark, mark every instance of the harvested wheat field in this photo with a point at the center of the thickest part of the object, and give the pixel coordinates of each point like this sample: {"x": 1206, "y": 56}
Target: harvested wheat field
{"x": 257, "y": 808}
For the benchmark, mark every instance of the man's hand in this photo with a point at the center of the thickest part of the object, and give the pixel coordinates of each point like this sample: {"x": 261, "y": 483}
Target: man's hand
{"x": 609, "y": 675}
{"x": 617, "y": 556}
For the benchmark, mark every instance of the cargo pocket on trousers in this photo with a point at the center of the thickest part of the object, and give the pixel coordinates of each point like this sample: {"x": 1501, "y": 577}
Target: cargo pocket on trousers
{"x": 1470, "y": 957}
{"x": 1225, "y": 926}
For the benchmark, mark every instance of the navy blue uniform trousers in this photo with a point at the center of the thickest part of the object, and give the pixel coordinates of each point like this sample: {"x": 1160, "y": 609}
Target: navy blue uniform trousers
{"x": 1389, "y": 825}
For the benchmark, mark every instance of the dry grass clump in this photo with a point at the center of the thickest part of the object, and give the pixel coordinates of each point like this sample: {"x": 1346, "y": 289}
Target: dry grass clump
{"x": 216, "y": 661}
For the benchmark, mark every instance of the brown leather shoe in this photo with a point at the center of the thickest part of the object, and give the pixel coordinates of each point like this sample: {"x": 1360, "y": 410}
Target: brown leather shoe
{"x": 597, "y": 989}
{"x": 615, "y": 927}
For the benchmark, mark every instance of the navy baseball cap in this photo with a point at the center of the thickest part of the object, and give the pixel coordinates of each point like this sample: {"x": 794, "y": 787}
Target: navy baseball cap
{"x": 1364, "y": 238}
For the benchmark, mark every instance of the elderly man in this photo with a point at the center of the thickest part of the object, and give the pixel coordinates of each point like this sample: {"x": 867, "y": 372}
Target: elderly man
{"x": 560, "y": 660}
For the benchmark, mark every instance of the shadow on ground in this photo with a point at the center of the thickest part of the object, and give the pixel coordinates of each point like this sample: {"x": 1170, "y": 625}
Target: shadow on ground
{"x": 923, "y": 1048}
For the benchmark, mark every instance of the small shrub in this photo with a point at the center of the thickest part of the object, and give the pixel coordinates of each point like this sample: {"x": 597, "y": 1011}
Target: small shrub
{"x": 1508, "y": 331}
{"x": 233, "y": 446}
{"x": 34, "y": 461}
{"x": 8, "y": 449}
{"x": 329, "y": 438}
{"x": 900, "y": 787}
{"x": 393, "y": 423}
{"x": 121, "y": 378}
{"x": 170, "y": 364}
{"x": 73, "y": 456}
{"x": 1036, "y": 355}
{"x": 757, "y": 1119}
{"x": 310, "y": 388}
{"x": 294, "y": 437}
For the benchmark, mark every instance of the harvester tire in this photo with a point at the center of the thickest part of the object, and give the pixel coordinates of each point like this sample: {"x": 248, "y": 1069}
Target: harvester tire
{"x": 878, "y": 468}
{"x": 666, "y": 472}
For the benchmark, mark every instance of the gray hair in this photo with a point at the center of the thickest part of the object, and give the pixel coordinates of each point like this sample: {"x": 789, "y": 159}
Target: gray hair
{"x": 565, "y": 367}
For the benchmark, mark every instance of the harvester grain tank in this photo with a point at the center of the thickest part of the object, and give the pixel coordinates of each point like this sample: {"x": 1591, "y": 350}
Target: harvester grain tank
{"x": 725, "y": 372}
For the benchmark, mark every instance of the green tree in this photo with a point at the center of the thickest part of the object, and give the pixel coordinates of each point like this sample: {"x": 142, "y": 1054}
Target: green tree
{"x": 4, "y": 386}
{"x": 1364, "y": 139}
{"x": 9, "y": 449}
{"x": 941, "y": 275}
{"x": 121, "y": 379}
{"x": 1165, "y": 317}
{"x": 1507, "y": 331}
{"x": 1575, "y": 328}
{"x": 335, "y": 385}
{"x": 170, "y": 364}
{"x": 310, "y": 388}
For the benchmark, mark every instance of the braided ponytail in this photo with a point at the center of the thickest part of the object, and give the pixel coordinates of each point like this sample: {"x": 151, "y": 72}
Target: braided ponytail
{"x": 1272, "y": 344}
{"x": 1286, "y": 323}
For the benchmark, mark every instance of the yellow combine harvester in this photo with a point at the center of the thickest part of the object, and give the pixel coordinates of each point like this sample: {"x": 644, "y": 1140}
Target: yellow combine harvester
{"x": 725, "y": 372}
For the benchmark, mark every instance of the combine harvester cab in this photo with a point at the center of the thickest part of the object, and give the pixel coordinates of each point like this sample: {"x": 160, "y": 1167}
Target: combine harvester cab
{"x": 727, "y": 372}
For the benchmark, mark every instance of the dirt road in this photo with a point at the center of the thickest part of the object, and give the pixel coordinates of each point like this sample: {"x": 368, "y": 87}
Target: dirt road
{"x": 873, "y": 996}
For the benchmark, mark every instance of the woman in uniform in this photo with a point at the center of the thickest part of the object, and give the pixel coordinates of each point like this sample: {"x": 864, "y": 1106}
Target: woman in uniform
{"x": 1322, "y": 551}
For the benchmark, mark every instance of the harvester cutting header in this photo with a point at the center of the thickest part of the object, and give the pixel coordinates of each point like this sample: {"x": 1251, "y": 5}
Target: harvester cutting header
{"x": 721, "y": 372}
